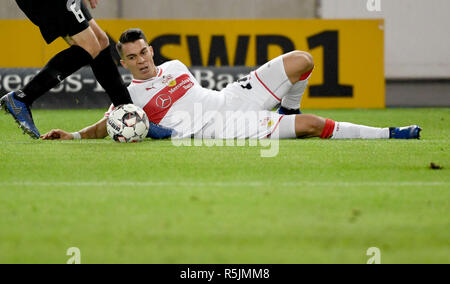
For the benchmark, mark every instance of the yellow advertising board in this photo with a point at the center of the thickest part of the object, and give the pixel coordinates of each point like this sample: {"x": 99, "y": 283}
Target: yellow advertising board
{"x": 348, "y": 54}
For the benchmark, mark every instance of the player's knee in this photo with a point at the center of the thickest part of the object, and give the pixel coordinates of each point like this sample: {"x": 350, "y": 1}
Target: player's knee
{"x": 103, "y": 40}
{"x": 93, "y": 48}
{"x": 298, "y": 63}
{"x": 95, "y": 51}
{"x": 303, "y": 61}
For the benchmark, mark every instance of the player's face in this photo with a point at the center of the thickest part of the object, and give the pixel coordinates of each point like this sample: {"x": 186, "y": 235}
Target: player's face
{"x": 138, "y": 58}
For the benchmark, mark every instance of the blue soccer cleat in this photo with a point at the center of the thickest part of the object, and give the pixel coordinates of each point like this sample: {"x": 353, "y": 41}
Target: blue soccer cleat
{"x": 159, "y": 132}
{"x": 21, "y": 114}
{"x": 286, "y": 111}
{"x": 408, "y": 132}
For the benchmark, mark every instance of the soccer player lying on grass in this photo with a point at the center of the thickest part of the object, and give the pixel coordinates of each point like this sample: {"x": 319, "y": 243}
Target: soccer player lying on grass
{"x": 179, "y": 107}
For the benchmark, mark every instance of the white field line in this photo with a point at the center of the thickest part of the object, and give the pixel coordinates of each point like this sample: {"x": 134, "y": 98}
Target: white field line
{"x": 218, "y": 184}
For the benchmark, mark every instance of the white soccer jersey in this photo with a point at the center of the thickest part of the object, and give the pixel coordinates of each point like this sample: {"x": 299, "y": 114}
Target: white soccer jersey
{"x": 174, "y": 99}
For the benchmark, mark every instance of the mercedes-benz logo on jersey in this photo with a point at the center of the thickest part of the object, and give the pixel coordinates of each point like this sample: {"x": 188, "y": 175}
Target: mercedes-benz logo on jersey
{"x": 163, "y": 101}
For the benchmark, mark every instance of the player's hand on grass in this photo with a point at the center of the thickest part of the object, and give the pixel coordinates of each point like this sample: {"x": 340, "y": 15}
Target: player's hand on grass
{"x": 57, "y": 134}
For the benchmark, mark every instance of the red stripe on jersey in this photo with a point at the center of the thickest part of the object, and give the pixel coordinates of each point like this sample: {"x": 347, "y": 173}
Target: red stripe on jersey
{"x": 267, "y": 88}
{"x": 328, "y": 129}
{"x": 161, "y": 103}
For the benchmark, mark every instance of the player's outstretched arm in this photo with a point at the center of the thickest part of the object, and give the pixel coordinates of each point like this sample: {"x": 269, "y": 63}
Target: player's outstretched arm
{"x": 96, "y": 131}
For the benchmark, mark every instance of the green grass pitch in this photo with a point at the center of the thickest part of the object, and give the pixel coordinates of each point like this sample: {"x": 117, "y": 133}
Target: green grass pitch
{"x": 316, "y": 202}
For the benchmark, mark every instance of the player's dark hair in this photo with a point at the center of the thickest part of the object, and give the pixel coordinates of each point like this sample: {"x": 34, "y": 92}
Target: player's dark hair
{"x": 130, "y": 35}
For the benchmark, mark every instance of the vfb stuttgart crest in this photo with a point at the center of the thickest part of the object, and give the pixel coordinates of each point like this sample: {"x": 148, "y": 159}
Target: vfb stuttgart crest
{"x": 163, "y": 101}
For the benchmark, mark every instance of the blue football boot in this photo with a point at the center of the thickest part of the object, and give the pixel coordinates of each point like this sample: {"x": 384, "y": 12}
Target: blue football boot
{"x": 21, "y": 114}
{"x": 159, "y": 132}
{"x": 286, "y": 111}
{"x": 408, "y": 132}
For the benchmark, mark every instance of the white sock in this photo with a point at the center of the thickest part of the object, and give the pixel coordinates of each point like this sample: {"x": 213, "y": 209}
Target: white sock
{"x": 293, "y": 98}
{"x": 345, "y": 130}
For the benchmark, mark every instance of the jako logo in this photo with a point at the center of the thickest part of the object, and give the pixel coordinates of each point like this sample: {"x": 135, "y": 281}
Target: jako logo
{"x": 76, "y": 255}
{"x": 374, "y": 5}
{"x": 376, "y": 255}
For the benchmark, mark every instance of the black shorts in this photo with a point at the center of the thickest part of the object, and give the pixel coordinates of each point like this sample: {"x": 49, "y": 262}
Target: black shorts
{"x": 57, "y": 18}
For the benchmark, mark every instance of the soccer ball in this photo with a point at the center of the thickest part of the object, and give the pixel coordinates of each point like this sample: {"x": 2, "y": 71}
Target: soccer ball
{"x": 127, "y": 123}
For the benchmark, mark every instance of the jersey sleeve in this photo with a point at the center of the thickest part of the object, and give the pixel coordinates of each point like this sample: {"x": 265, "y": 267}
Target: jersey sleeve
{"x": 180, "y": 65}
{"x": 184, "y": 69}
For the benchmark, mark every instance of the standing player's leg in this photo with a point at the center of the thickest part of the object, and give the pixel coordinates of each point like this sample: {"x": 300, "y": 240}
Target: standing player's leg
{"x": 85, "y": 46}
{"x": 92, "y": 41}
{"x": 57, "y": 69}
{"x": 105, "y": 70}
{"x": 298, "y": 66}
{"x": 55, "y": 19}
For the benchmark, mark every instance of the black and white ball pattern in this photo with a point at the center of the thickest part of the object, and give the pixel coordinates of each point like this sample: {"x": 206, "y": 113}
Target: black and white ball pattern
{"x": 127, "y": 123}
